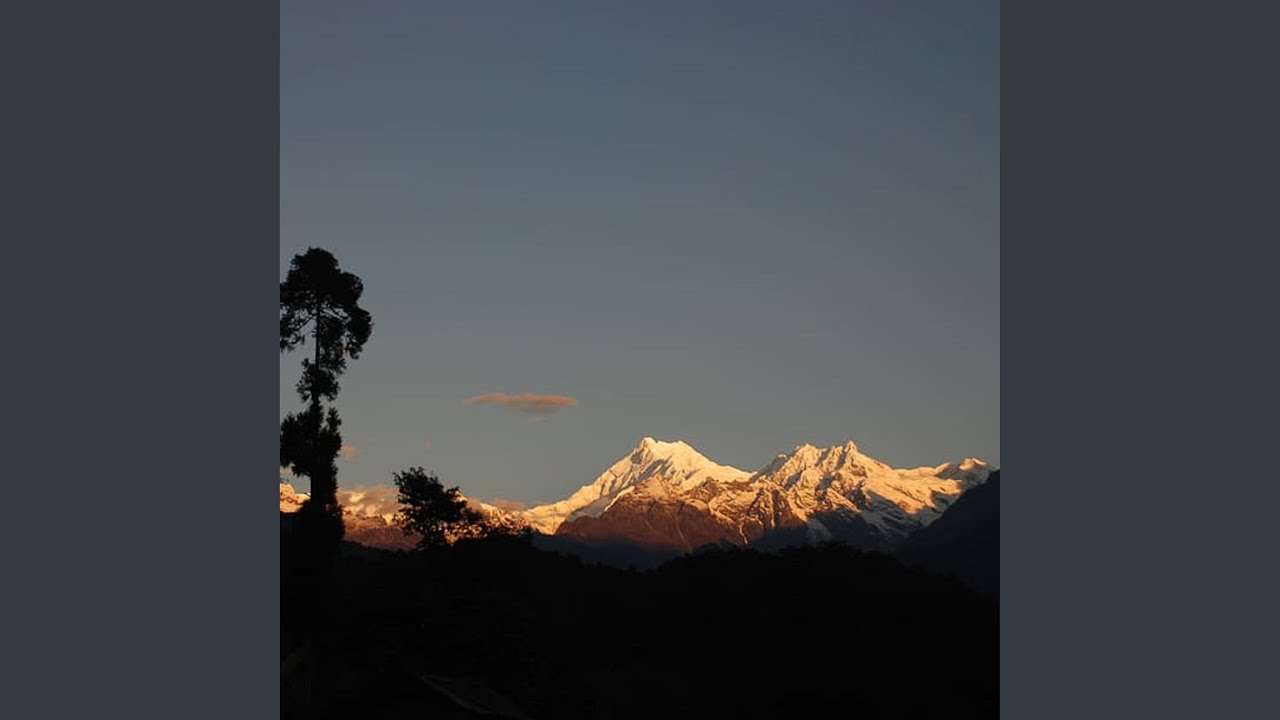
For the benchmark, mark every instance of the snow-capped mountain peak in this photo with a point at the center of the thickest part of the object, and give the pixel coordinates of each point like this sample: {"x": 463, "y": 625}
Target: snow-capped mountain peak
{"x": 675, "y": 464}
{"x": 806, "y": 459}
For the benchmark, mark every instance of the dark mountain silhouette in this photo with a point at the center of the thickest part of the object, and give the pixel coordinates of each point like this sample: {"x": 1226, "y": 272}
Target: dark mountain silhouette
{"x": 621, "y": 554}
{"x": 964, "y": 542}
{"x": 803, "y": 632}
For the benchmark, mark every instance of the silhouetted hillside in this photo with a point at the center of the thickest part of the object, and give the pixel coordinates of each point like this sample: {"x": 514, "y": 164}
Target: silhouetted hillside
{"x": 720, "y": 633}
{"x": 620, "y": 554}
{"x": 965, "y": 541}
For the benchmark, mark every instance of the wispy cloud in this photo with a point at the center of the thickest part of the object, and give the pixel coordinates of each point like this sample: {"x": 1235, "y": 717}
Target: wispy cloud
{"x": 538, "y": 406}
{"x": 349, "y": 451}
{"x": 426, "y": 444}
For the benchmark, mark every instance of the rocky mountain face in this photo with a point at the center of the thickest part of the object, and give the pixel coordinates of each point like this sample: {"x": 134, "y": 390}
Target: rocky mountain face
{"x": 666, "y": 494}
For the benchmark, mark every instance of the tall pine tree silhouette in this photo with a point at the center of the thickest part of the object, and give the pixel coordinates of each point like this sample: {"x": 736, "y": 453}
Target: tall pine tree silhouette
{"x": 319, "y": 302}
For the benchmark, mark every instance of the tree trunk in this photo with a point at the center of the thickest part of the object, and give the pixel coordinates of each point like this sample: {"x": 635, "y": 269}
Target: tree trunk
{"x": 321, "y": 484}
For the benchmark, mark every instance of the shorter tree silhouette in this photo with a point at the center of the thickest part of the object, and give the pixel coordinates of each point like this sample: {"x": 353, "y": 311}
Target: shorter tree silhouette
{"x": 436, "y": 514}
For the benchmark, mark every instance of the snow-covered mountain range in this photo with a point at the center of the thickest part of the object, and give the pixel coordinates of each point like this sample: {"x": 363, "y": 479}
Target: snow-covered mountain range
{"x": 668, "y": 495}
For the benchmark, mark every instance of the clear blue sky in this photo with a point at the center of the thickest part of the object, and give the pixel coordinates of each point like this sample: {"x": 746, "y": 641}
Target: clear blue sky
{"x": 747, "y": 225}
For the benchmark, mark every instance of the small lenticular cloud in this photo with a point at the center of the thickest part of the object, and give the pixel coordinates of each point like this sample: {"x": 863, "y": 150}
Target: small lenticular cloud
{"x": 536, "y": 405}
{"x": 349, "y": 451}
{"x": 426, "y": 444}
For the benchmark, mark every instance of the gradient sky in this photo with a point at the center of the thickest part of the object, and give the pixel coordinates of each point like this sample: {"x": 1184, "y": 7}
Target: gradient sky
{"x": 747, "y": 225}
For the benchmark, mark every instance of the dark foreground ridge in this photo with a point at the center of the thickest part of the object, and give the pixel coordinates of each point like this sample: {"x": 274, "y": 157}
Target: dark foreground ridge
{"x": 964, "y": 542}
{"x": 500, "y": 628}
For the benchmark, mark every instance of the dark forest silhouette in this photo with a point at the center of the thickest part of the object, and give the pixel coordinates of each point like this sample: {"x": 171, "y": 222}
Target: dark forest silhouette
{"x": 485, "y": 620}
{"x": 802, "y": 632}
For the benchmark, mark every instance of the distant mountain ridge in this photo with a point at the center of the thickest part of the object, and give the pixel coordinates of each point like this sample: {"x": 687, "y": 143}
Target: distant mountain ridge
{"x": 668, "y": 495}
{"x": 366, "y": 521}
{"x": 668, "y": 498}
